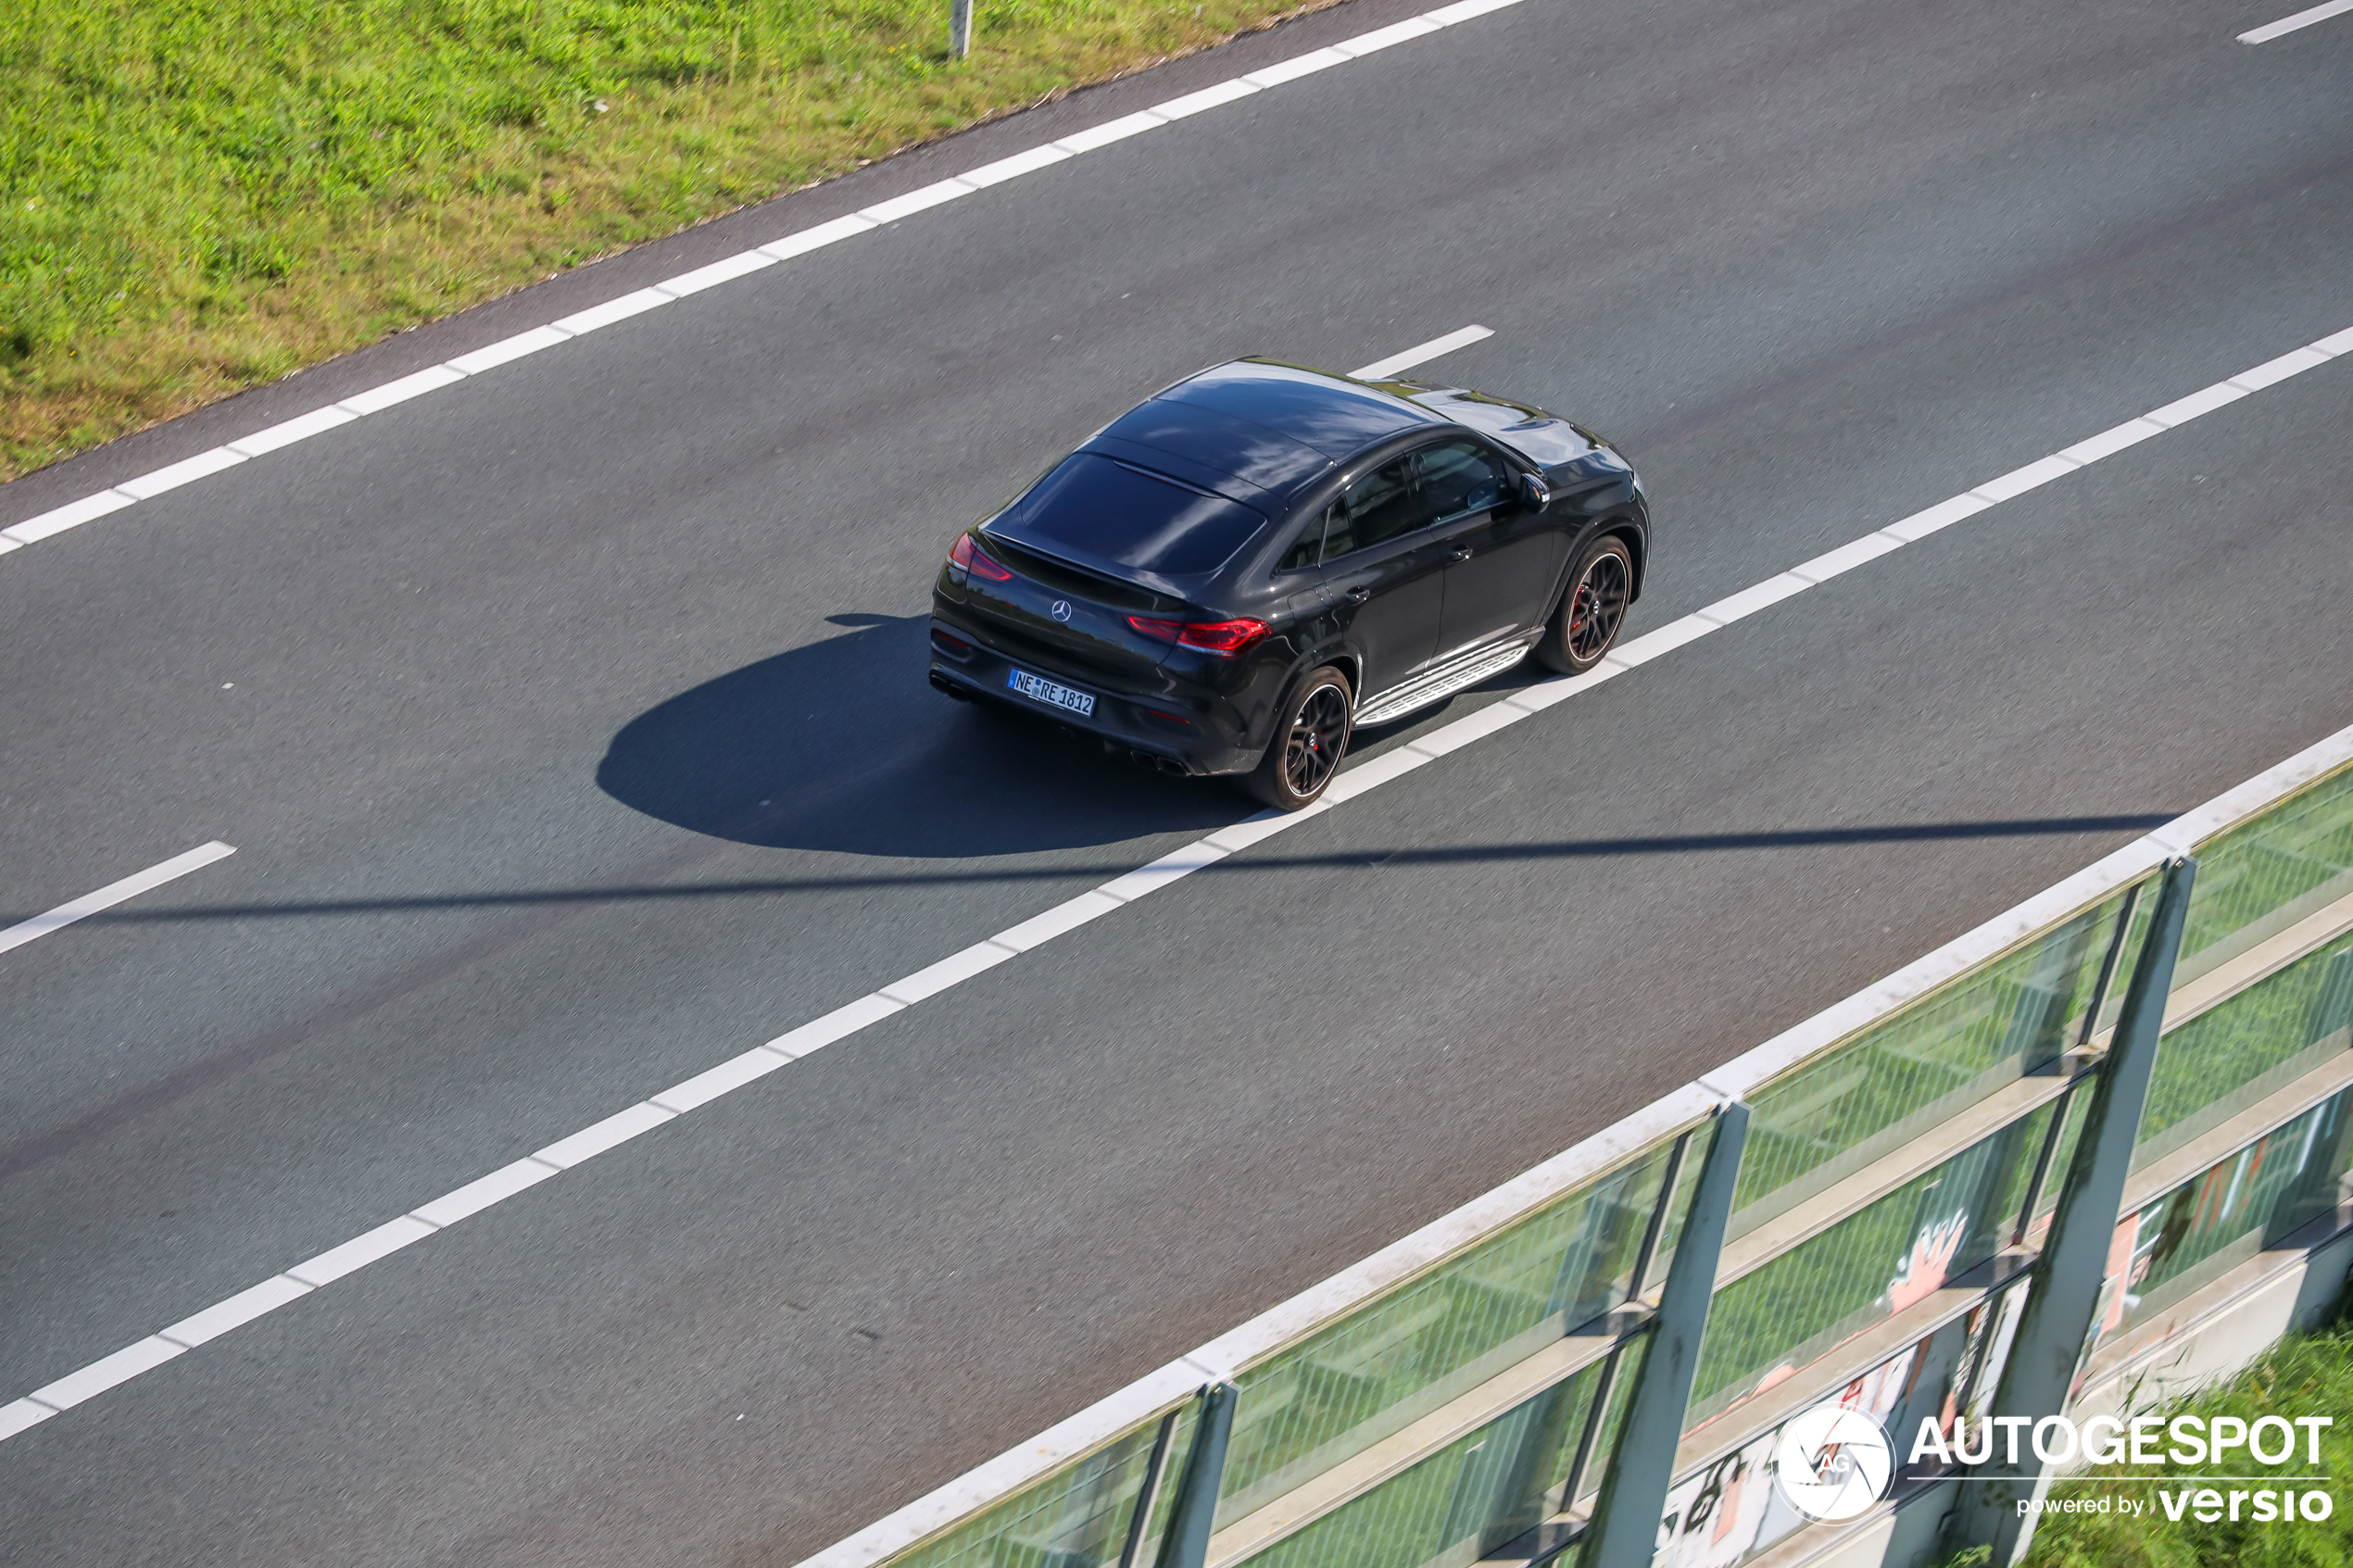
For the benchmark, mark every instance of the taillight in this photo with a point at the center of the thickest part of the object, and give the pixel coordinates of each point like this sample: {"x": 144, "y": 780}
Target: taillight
{"x": 969, "y": 558}
{"x": 1223, "y": 638}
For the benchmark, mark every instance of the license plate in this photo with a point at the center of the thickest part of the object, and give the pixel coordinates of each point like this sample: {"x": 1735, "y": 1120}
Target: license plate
{"x": 1043, "y": 690}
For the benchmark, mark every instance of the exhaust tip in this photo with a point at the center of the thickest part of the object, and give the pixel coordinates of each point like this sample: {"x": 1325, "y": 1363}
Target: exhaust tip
{"x": 942, "y": 683}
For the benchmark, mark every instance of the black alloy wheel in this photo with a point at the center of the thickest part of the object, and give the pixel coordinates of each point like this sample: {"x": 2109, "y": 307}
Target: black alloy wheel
{"x": 1591, "y": 612}
{"x": 1307, "y": 745}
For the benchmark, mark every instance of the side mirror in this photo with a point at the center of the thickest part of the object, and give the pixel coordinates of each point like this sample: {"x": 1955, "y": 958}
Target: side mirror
{"x": 1534, "y": 492}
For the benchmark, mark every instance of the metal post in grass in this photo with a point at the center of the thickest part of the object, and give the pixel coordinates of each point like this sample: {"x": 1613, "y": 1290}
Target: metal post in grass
{"x": 959, "y": 27}
{"x": 1186, "y": 1543}
{"x": 2064, "y": 1291}
{"x": 1625, "y": 1529}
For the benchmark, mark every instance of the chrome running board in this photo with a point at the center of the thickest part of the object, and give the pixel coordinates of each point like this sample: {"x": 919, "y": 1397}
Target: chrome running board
{"x": 1468, "y": 669}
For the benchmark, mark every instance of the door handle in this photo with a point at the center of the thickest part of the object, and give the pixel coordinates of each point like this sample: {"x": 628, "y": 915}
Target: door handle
{"x": 1357, "y": 595}
{"x": 1463, "y": 553}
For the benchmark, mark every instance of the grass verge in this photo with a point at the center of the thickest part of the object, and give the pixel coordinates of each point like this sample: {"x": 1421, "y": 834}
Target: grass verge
{"x": 2303, "y": 1374}
{"x": 200, "y": 195}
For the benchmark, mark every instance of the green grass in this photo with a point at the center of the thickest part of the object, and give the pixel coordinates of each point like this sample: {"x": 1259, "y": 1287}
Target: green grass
{"x": 2303, "y": 1374}
{"x": 195, "y": 198}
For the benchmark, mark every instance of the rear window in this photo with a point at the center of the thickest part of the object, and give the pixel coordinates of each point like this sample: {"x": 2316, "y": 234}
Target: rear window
{"x": 1129, "y": 517}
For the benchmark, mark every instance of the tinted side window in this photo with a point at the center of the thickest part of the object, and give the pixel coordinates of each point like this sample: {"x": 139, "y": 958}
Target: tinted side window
{"x": 1459, "y": 477}
{"x": 1376, "y": 509}
{"x": 1308, "y": 548}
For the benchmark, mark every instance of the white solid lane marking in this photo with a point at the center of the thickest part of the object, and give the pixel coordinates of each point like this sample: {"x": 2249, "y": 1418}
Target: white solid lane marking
{"x": 724, "y": 270}
{"x": 814, "y": 239}
{"x": 358, "y": 1253}
{"x": 605, "y": 315}
{"x": 953, "y": 970}
{"x": 237, "y": 1310}
{"x": 378, "y": 398}
{"x": 1207, "y": 99}
{"x": 2018, "y": 481}
{"x": 724, "y": 1079}
{"x": 608, "y": 1133}
{"x": 1381, "y": 370}
{"x": 2279, "y": 370}
{"x": 1060, "y": 920}
{"x": 1927, "y": 520}
{"x": 2286, "y": 25}
{"x": 113, "y": 893}
{"x": 1462, "y": 10}
{"x": 2196, "y": 405}
{"x": 1384, "y": 37}
{"x": 522, "y": 345}
{"x": 180, "y": 473}
{"x": 1368, "y": 776}
{"x": 104, "y": 1373}
{"x": 481, "y": 1193}
{"x": 1748, "y": 601}
{"x": 1118, "y": 130}
{"x": 916, "y": 201}
{"x": 1299, "y": 66}
{"x": 491, "y": 356}
{"x": 1161, "y": 872}
{"x": 1848, "y": 556}
{"x": 73, "y": 514}
{"x": 1005, "y": 168}
{"x": 843, "y": 1021}
{"x": 302, "y": 427}
{"x": 2110, "y": 442}
{"x": 16, "y": 1416}
{"x": 838, "y": 1024}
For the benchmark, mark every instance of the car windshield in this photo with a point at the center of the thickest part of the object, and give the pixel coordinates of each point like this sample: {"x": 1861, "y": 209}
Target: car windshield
{"x": 1126, "y": 517}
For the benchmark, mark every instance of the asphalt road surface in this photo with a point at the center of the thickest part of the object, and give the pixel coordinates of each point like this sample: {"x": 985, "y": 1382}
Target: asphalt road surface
{"x": 572, "y": 729}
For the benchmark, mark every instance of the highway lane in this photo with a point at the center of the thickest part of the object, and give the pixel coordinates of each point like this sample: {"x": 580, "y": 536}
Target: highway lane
{"x": 1887, "y": 271}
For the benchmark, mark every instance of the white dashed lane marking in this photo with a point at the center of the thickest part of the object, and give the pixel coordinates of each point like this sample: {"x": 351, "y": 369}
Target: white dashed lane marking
{"x": 2286, "y": 25}
{"x": 113, "y": 893}
{"x": 1380, "y": 369}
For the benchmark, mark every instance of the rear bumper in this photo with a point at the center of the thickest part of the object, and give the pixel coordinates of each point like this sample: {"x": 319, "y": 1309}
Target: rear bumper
{"x": 1163, "y": 730}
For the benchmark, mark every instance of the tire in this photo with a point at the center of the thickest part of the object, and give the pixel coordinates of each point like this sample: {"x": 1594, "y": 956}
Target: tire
{"x": 1310, "y": 738}
{"x": 1591, "y": 610}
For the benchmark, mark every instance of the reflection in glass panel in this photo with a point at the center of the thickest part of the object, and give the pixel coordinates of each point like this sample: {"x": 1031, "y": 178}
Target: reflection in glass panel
{"x": 1679, "y": 1206}
{"x": 2219, "y": 1219}
{"x": 1621, "y": 1385}
{"x": 1850, "y": 1105}
{"x": 1313, "y": 1405}
{"x": 1078, "y": 1517}
{"x": 1463, "y": 1501}
{"x": 2227, "y": 1057}
{"x": 1870, "y": 1266}
{"x": 2266, "y": 874}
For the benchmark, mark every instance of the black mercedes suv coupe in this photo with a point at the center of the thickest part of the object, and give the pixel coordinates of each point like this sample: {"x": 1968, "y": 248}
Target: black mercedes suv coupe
{"x": 1237, "y": 573}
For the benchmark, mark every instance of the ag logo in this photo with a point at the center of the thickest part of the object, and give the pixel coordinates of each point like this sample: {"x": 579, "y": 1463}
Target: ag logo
{"x": 1834, "y": 1462}
{"x": 1060, "y": 609}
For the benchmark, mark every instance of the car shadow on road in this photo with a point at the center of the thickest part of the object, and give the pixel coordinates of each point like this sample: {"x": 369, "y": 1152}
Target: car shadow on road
{"x": 842, "y": 746}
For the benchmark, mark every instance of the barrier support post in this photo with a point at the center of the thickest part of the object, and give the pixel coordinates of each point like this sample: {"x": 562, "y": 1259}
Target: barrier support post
{"x": 1186, "y": 1543}
{"x": 1625, "y": 1529}
{"x": 2065, "y": 1288}
{"x": 960, "y": 28}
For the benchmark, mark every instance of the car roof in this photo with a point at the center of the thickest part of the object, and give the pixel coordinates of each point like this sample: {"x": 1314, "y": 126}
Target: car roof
{"x": 1257, "y": 430}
